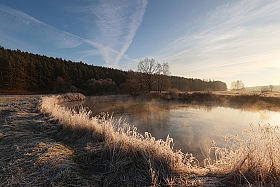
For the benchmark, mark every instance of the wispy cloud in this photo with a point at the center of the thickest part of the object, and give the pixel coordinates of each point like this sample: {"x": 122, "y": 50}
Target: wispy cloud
{"x": 111, "y": 27}
{"x": 235, "y": 38}
{"x": 117, "y": 23}
{"x": 19, "y": 21}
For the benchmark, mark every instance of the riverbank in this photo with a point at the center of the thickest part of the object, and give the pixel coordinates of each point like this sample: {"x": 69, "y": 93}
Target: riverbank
{"x": 36, "y": 149}
{"x": 43, "y": 144}
{"x": 234, "y": 99}
{"x": 34, "y": 152}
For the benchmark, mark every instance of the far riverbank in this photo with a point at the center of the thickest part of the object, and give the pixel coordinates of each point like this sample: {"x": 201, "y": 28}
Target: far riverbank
{"x": 234, "y": 99}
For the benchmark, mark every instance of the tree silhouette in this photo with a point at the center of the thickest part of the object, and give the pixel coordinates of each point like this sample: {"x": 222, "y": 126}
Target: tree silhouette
{"x": 148, "y": 68}
{"x": 237, "y": 85}
{"x": 163, "y": 77}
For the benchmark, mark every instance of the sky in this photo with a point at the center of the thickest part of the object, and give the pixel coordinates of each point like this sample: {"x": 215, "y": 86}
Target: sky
{"x": 224, "y": 40}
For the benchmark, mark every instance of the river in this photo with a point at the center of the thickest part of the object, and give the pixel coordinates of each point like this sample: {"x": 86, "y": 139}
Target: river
{"x": 193, "y": 127}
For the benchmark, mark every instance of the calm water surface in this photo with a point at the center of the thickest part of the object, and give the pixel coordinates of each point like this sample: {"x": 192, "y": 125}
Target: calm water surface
{"x": 193, "y": 127}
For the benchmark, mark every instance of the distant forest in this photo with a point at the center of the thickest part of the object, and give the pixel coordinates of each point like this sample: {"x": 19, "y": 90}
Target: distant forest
{"x": 41, "y": 74}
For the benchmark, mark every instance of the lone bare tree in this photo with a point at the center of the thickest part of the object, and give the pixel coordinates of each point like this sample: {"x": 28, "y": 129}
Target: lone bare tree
{"x": 147, "y": 68}
{"x": 237, "y": 85}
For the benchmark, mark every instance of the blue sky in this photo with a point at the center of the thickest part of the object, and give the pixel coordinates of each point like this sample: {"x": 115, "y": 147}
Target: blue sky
{"x": 223, "y": 40}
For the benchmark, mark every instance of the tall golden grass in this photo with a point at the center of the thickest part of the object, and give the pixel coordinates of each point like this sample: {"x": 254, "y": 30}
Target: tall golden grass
{"x": 253, "y": 159}
{"x": 138, "y": 159}
{"x": 157, "y": 161}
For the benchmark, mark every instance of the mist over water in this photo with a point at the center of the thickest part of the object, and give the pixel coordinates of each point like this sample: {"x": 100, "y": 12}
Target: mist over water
{"x": 193, "y": 127}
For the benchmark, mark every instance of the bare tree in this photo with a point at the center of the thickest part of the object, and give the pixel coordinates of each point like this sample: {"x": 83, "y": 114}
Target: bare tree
{"x": 162, "y": 76}
{"x": 237, "y": 85}
{"x": 147, "y": 68}
{"x": 271, "y": 87}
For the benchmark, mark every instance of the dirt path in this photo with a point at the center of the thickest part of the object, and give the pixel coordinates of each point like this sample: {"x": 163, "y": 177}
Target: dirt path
{"x": 30, "y": 154}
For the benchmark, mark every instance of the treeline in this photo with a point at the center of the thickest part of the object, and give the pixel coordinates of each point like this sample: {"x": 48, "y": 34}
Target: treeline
{"x": 38, "y": 73}
{"x": 41, "y": 74}
{"x": 190, "y": 84}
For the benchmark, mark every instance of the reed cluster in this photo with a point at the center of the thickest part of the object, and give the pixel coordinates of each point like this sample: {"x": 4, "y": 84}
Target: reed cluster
{"x": 253, "y": 159}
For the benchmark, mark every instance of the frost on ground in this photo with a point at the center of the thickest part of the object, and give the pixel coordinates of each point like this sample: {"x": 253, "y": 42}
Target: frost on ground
{"x": 35, "y": 150}
{"x": 30, "y": 154}
{"x": 44, "y": 144}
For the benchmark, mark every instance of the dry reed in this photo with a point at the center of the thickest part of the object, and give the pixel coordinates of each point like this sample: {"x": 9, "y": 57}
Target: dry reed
{"x": 141, "y": 160}
{"x": 251, "y": 160}
{"x": 155, "y": 160}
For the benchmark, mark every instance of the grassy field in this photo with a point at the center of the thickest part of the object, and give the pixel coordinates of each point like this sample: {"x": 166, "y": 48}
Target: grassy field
{"x": 45, "y": 144}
